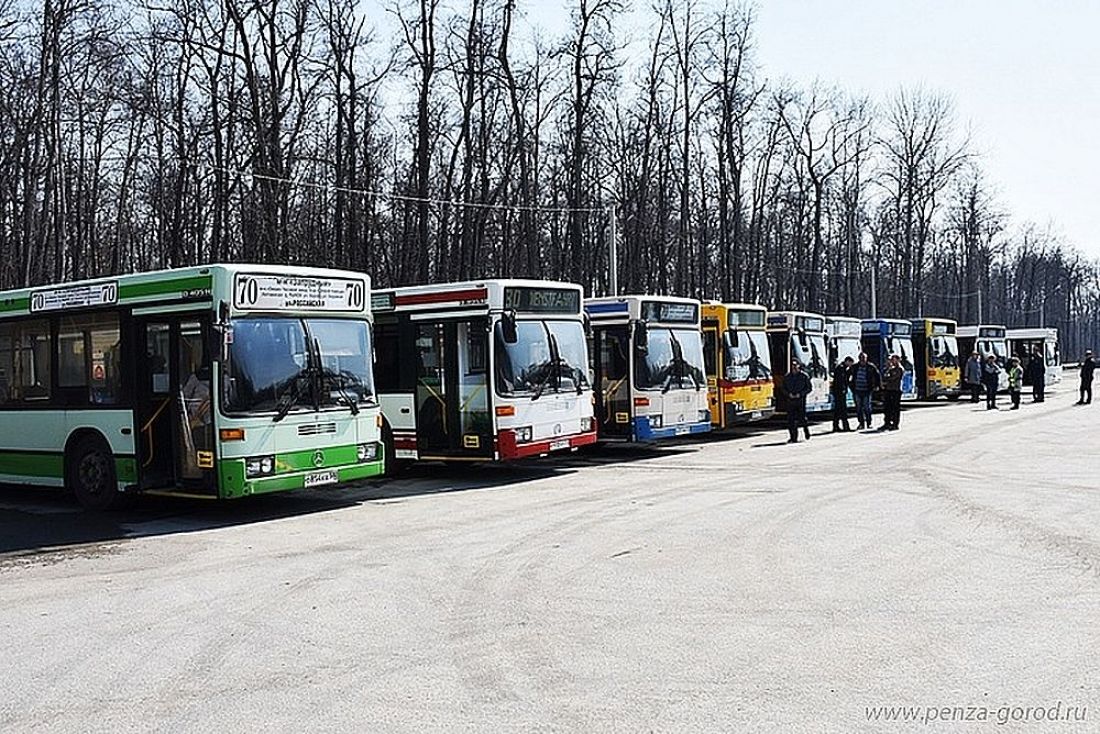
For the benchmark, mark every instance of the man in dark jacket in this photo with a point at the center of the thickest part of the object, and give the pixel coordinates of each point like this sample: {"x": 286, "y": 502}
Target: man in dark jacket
{"x": 797, "y": 386}
{"x": 864, "y": 379}
{"x": 1037, "y": 375}
{"x": 1088, "y": 366}
{"x": 839, "y": 392}
{"x": 991, "y": 378}
{"x": 891, "y": 393}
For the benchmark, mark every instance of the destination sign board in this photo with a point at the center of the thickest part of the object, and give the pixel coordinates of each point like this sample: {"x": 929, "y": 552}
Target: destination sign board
{"x": 298, "y": 293}
{"x": 542, "y": 300}
{"x": 746, "y": 318}
{"x": 663, "y": 311}
{"x": 76, "y": 296}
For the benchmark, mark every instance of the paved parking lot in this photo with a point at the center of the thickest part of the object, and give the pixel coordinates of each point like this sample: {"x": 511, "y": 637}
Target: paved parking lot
{"x": 733, "y": 584}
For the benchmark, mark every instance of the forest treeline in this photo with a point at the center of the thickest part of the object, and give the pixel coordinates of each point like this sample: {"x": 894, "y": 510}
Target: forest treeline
{"x": 425, "y": 141}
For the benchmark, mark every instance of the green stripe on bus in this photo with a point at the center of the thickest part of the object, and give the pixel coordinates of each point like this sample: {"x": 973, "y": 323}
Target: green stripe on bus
{"x": 52, "y": 465}
{"x": 164, "y": 287}
{"x": 22, "y": 303}
{"x": 28, "y": 464}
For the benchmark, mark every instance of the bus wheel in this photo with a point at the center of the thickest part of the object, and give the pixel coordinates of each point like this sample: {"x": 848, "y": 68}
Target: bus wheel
{"x": 90, "y": 474}
{"x": 393, "y": 465}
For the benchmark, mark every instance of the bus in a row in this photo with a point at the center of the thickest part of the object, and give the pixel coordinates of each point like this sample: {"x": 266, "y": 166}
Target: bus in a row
{"x": 738, "y": 363}
{"x": 648, "y": 367}
{"x": 987, "y": 340}
{"x": 220, "y": 381}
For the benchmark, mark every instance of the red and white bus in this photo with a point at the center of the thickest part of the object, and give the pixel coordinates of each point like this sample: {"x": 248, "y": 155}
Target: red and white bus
{"x": 483, "y": 371}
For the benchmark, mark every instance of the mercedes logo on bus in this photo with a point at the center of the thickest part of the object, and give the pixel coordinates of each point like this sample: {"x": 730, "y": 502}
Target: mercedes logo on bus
{"x": 318, "y": 458}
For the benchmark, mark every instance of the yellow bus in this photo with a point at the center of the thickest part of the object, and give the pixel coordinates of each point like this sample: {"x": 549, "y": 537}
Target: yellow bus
{"x": 738, "y": 363}
{"x": 938, "y": 361}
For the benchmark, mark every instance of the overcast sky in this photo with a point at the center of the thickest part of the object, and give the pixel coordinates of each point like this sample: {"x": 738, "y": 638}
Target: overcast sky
{"x": 1025, "y": 77}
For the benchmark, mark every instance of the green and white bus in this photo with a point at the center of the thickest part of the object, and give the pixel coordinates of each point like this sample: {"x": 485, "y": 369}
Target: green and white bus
{"x": 220, "y": 381}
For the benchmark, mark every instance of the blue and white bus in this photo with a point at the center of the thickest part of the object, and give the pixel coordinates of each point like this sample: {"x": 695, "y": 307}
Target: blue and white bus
{"x": 648, "y": 367}
{"x": 884, "y": 337}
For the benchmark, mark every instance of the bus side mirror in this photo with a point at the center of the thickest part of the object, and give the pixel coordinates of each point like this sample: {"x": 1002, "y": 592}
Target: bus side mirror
{"x": 587, "y": 325}
{"x": 729, "y": 338}
{"x": 641, "y": 335}
{"x": 508, "y": 327}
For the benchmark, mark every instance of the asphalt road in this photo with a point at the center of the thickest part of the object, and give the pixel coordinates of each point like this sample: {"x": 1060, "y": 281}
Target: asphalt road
{"x": 734, "y": 584}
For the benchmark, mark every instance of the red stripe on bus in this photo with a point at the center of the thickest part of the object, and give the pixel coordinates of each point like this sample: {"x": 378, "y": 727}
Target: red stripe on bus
{"x": 470, "y": 294}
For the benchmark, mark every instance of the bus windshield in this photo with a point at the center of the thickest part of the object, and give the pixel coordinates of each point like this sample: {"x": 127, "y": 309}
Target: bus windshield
{"x": 810, "y": 351}
{"x": 747, "y": 356}
{"x": 673, "y": 358}
{"x": 903, "y": 347}
{"x": 314, "y": 362}
{"x": 846, "y": 346}
{"x": 944, "y": 351}
{"x": 547, "y": 356}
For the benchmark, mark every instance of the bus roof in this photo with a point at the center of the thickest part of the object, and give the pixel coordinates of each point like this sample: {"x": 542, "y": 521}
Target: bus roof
{"x": 654, "y": 309}
{"x": 982, "y": 330}
{"x": 1040, "y": 332}
{"x": 155, "y": 287}
{"x": 483, "y": 296}
{"x": 788, "y": 319}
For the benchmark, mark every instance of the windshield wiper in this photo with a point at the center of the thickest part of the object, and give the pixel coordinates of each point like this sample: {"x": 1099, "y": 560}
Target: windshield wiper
{"x": 681, "y": 365}
{"x": 337, "y": 384}
{"x": 290, "y": 398}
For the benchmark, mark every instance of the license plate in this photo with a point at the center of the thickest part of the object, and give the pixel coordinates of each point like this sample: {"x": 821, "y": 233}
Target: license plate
{"x": 317, "y": 478}
{"x": 682, "y": 430}
{"x": 755, "y": 414}
{"x": 559, "y": 445}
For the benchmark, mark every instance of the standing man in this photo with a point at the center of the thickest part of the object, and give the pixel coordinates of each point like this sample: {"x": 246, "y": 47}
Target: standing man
{"x": 864, "y": 379}
{"x": 1037, "y": 373}
{"x": 972, "y": 376}
{"x": 991, "y": 378}
{"x": 891, "y": 393}
{"x": 839, "y": 391}
{"x": 797, "y": 386}
{"x": 1088, "y": 366}
{"x": 1015, "y": 381}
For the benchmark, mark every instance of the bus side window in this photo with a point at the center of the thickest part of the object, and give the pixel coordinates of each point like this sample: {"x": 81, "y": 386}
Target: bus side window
{"x": 24, "y": 361}
{"x": 88, "y": 356}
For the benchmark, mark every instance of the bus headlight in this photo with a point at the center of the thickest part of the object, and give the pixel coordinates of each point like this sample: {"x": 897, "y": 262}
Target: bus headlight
{"x": 704, "y": 416}
{"x": 586, "y": 425}
{"x": 524, "y": 434}
{"x": 656, "y": 421}
{"x": 259, "y": 466}
{"x": 366, "y": 451}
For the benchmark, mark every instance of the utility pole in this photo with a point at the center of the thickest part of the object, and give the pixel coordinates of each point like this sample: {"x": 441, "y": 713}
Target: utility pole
{"x": 613, "y": 251}
{"x": 874, "y": 291}
{"x": 979, "y": 305}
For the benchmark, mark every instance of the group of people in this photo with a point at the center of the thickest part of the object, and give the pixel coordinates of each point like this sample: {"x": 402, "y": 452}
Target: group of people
{"x": 863, "y": 379}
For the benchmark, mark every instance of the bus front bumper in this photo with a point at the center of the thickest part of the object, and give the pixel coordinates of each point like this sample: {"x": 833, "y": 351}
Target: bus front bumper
{"x": 508, "y": 448}
{"x": 644, "y": 430}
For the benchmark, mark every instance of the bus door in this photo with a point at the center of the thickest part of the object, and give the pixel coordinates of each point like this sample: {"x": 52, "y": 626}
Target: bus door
{"x": 714, "y": 362}
{"x": 453, "y": 404}
{"x": 174, "y": 407}
{"x": 613, "y": 400}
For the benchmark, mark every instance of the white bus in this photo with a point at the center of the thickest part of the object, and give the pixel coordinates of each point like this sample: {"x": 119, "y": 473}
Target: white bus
{"x": 481, "y": 371}
{"x": 1022, "y": 343}
{"x": 220, "y": 381}
{"x": 800, "y": 335}
{"x": 647, "y": 362}
{"x": 985, "y": 340}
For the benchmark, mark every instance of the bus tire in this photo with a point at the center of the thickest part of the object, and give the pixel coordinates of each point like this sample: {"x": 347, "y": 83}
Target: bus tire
{"x": 90, "y": 474}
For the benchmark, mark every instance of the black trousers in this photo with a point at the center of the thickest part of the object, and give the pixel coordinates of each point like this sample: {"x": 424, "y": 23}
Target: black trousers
{"x": 1086, "y": 391}
{"x": 891, "y": 408}
{"x": 990, "y": 395}
{"x": 975, "y": 391}
{"x": 796, "y": 418}
{"x": 1039, "y": 389}
{"x": 840, "y": 412}
{"x": 1015, "y": 394}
